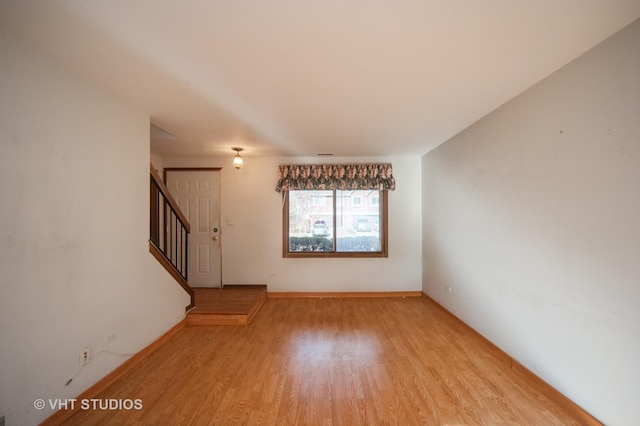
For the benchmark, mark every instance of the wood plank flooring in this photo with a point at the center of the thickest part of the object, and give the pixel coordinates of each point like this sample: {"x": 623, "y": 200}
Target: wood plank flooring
{"x": 233, "y": 305}
{"x": 329, "y": 362}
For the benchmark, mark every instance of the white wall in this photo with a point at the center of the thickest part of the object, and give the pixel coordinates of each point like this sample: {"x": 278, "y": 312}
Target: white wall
{"x": 252, "y": 246}
{"x": 74, "y": 260}
{"x": 532, "y": 216}
{"x": 156, "y": 162}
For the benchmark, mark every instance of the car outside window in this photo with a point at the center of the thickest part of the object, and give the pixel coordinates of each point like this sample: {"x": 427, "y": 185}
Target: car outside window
{"x": 334, "y": 223}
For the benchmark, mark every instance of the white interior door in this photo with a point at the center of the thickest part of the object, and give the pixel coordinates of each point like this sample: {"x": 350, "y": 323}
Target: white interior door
{"x": 197, "y": 192}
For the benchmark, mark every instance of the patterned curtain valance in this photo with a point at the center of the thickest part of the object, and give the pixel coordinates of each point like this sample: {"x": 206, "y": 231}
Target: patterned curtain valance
{"x": 336, "y": 176}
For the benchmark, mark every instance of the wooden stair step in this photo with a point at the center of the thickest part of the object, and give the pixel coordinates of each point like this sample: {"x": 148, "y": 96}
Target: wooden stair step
{"x": 232, "y": 305}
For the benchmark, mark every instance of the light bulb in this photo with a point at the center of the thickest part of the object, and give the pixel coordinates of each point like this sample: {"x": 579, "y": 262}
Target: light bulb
{"x": 237, "y": 161}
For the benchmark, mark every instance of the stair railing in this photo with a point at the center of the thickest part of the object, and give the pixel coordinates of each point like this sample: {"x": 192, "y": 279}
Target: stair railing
{"x": 169, "y": 233}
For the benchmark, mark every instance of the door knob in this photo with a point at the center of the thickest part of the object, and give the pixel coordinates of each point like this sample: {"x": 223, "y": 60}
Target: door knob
{"x": 215, "y": 238}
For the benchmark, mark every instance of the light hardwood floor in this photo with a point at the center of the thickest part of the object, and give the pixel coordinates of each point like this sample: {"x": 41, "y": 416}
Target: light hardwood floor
{"x": 330, "y": 361}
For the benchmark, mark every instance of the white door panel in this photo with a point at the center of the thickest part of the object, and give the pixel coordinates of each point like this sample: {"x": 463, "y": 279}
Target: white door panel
{"x": 197, "y": 192}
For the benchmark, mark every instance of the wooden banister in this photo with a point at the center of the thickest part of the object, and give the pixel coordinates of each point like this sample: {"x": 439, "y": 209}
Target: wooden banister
{"x": 169, "y": 233}
{"x": 165, "y": 191}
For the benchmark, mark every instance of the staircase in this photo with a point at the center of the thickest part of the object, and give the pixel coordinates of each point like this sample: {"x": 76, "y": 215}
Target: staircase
{"x": 169, "y": 233}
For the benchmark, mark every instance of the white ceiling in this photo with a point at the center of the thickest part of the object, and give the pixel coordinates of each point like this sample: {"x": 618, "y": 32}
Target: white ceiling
{"x": 301, "y": 77}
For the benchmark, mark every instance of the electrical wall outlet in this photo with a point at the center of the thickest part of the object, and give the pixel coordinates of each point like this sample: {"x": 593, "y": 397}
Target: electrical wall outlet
{"x": 85, "y": 356}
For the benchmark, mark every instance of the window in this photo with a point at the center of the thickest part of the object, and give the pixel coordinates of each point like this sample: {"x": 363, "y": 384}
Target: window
{"x": 319, "y": 199}
{"x": 335, "y": 223}
{"x": 335, "y": 210}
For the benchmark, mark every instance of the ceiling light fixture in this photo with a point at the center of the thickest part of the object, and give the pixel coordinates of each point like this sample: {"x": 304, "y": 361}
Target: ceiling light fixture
{"x": 237, "y": 160}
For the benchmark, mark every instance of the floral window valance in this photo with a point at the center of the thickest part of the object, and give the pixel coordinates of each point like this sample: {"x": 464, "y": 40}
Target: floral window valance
{"x": 336, "y": 176}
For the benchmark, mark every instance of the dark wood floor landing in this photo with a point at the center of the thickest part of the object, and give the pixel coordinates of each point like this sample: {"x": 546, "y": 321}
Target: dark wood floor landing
{"x": 232, "y": 305}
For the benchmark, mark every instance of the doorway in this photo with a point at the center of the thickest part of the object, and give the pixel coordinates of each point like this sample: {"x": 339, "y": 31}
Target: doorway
{"x": 198, "y": 193}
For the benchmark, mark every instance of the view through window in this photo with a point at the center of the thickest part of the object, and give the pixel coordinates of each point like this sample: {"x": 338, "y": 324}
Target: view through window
{"x": 333, "y": 222}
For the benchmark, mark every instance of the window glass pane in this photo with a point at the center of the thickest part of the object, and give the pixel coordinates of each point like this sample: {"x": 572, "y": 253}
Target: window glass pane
{"x": 310, "y": 221}
{"x": 358, "y": 221}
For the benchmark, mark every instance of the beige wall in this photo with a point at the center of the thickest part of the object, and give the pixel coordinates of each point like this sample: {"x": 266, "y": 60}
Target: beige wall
{"x": 252, "y": 246}
{"x": 74, "y": 229}
{"x": 532, "y": 217}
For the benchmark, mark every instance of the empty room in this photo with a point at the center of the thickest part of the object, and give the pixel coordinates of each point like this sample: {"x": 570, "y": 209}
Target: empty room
{"x": 322, "y": 213}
